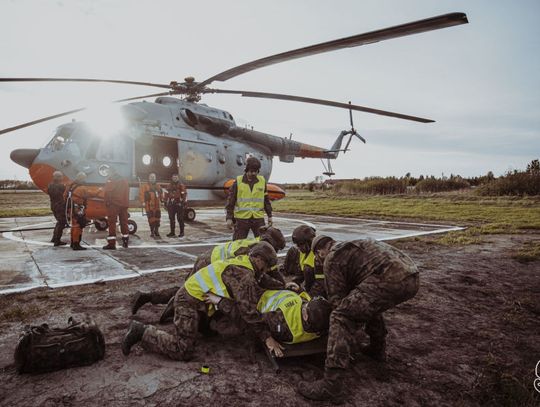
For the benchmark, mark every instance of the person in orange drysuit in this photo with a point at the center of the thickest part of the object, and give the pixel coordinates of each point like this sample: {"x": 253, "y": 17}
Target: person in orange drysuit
{"x": 151, "y": 195}
{"x": 117, "y": 202}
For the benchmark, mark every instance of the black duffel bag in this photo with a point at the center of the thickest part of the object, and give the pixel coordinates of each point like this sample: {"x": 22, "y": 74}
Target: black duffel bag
{"x": 44, "y": 349}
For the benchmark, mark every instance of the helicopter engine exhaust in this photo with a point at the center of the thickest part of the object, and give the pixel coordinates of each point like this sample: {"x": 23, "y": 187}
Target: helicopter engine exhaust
{"x": 200, "y": 122}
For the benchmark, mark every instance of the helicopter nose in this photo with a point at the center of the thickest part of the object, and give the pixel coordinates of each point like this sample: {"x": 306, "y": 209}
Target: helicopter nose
{"x": 24, "y": 156}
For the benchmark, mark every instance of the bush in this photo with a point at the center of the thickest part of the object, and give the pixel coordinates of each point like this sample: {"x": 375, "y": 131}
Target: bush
{"x": 373, "y": 186}
{"x": 516, "y": 183}
{"x": 433, "y": 184}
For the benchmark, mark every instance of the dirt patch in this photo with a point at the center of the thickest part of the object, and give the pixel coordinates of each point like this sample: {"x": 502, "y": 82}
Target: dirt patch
{"x": 470, "y": 337}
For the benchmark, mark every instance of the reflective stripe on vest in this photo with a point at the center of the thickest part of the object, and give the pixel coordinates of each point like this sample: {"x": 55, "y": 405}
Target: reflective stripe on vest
{"x": 208, "y": 279}
{"x": 290, "y": 305}
{"x": 227, "y": 250}
{"x": 249, "y": 203}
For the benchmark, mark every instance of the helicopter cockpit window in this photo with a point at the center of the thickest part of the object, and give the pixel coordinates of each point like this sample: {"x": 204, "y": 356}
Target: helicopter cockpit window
{"x": 146, "y": 159}
{"x": 239, "y": 160}
{"x": 60, "y": 139}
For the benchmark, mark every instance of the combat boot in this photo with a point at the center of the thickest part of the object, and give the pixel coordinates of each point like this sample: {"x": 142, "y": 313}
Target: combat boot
{"x": 125, "y": 241}
{"x": 111, "y": 244}
{"x": 77, "y": 246}
{"x": 376, "y": 350}
{"x": 152, "y": 229}
{"x": 133, "y": 335}
{"x": 59, "y": 243}
{"x": 181, "y": 234}
{"x": 156, "y": 231}
{"x": 171, "y": 233}
{"x": 329, "y": 388}
{"x": 138, "y": 300}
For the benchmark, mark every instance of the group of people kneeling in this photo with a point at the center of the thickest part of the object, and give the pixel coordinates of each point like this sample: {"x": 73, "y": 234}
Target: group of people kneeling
{"x": 337, "y": 289}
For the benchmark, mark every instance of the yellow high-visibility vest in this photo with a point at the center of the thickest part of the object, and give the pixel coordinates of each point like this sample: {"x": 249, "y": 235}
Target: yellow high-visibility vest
{"x": 226, "y": 250}
{"x": 250, "y": 203}
{"x": 208, "y": 279}
{"x": 290, "y": 304}
{"x": 309, "y": 260}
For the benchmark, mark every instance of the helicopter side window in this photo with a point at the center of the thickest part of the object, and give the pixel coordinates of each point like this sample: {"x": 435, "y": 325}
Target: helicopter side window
{"x": 60, "y": 139}
{"x": 146, "y": 159}
{"x": 113, "y": 148}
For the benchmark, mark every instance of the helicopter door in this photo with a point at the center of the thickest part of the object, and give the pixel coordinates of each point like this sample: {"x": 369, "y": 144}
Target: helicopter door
{"x": 158, "y": 156}
{"x": 198, "y": 162}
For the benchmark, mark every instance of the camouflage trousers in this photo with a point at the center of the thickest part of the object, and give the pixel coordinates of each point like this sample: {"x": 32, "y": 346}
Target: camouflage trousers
{"x": 363, "y": 307}
{"x": 188, "y": 313}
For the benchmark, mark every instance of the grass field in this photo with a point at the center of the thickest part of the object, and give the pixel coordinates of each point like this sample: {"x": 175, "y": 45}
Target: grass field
{"x": 23, "y": 203}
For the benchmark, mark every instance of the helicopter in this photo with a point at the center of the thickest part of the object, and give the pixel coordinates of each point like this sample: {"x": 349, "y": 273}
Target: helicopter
{"x": 202, "y": 144}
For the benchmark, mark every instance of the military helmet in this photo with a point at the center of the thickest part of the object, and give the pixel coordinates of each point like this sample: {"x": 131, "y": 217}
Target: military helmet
{"x": 319, "y": 242}
{"x": 273, "y": 236}
{"x": 265, "y": 251}
{"x": 319, "y": 310}
{"x": 253, "y": 163}
{"x": 303, "y": 234}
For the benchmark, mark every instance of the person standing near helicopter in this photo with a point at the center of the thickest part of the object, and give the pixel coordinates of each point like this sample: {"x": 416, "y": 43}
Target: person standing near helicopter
{"x": 56, "y": 190}
{"x": 175, "y": 202}
{"x": 248, "y": 201}
{"x": 116, "y": 193}
{"x": 76, "y": 196}
{"x": 151, "y": 195}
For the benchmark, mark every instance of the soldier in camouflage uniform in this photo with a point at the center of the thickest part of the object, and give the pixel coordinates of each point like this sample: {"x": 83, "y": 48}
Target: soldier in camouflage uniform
{"x": 238, "y": 280}
{"x": 273, "y": 280}
{"x": 364, "y": 278}
{"x": 301, "y": 263}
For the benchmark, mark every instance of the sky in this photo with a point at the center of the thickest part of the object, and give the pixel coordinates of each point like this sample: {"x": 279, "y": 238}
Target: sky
{"x": 480, "y": 81}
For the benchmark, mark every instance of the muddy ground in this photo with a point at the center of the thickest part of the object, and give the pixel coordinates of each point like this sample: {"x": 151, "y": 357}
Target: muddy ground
{"x": 470, "y": 337}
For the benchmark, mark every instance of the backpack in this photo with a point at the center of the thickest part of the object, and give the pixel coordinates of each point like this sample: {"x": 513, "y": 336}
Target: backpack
{"x": 44, "y": 349}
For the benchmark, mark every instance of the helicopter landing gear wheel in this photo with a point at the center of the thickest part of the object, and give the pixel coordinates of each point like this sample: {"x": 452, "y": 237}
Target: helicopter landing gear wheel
{"x": 190, "y": 214}
{"x": 132, "y": 226}
{"x": 101, "y": 224}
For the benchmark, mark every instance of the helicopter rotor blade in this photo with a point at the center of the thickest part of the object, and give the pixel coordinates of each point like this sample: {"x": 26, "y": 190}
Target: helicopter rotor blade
{"x": 415, "y": 27}
{"x": 319, "y": 102}
{"x": 56, "y": 116}
{"x": 158, "y": 85}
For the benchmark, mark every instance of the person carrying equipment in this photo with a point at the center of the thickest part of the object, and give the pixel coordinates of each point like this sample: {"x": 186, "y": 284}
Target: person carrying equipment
{"x": 200, "y": 297}
{"x": 76, "y": 196}
{"x": 248, "y": 202}
{"x": 116, "y": 193}
{"x": 56, "y": 190}
{"x": 151, "y": 195}
{"x": 176, "y": 202}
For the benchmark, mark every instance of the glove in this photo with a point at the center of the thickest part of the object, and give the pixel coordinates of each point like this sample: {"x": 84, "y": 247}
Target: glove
{"x": 270, "y": 221}
{"x": 230, "y": 223}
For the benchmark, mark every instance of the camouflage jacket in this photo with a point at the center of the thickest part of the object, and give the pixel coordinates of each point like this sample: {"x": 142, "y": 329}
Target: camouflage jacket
{"x": 350, "y": 263}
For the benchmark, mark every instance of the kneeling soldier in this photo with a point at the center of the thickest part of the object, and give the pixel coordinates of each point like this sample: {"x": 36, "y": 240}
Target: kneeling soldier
{"x": 236, "y": 279}
{"x": 223, "y": 251}
{"x": 301, "y": 262}
{"x": 364, "y": 278}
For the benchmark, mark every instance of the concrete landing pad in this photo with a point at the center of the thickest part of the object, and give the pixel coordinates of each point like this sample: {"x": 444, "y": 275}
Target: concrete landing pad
{"x": 29, "y": 260}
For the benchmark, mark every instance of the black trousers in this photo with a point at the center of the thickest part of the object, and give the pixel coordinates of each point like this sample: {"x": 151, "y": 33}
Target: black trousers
{"x": 176, "y": 212}
{"x": 60, "y": 216}
{"x": 243, "y": 226}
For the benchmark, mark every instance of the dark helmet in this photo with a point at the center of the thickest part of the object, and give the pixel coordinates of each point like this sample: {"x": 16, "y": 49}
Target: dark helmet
{"x": 265, "y": 251}
{"x": 303, "y": 234}
{"x": 273, "y": 236}
{"x": 319, "y": 242}
{"x": 253, "y": 163}
{"x": 318, "y": 310}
